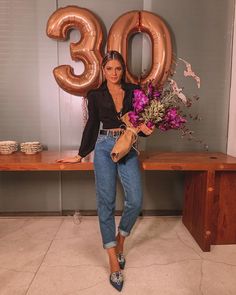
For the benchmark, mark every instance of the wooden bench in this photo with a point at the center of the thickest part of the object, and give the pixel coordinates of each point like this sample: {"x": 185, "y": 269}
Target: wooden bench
{"x": 209, "y": 211}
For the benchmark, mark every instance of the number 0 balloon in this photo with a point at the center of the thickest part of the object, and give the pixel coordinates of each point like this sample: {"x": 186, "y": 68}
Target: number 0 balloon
{"x": 147, "y": 22}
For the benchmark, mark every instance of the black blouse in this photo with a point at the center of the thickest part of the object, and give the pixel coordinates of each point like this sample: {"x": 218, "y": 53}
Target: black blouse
{"x": 101, "y": 108}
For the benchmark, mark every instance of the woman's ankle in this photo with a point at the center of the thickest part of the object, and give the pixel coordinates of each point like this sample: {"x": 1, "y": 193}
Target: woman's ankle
{"x": 120, "y": 243}
{"x": 114, "y": 264}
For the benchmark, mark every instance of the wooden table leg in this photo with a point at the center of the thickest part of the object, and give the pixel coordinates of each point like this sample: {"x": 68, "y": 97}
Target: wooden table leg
{"x": 224, "y": 209}
{"x": 199, "y": 193}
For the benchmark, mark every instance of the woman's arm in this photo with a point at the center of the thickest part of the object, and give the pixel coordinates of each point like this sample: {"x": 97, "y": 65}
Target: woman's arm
{"x": 91, "y": 129}
{"x": 90, "y": 132}
{"x": 75, "y": 159}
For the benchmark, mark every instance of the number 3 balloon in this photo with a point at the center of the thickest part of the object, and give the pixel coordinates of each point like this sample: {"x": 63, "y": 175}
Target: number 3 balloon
{"x": 87, "y": 50}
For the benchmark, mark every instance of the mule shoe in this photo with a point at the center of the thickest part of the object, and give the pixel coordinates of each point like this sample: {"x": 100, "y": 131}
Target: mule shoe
{"x": 117, "y": 280}
{"x": 121, "y": 260}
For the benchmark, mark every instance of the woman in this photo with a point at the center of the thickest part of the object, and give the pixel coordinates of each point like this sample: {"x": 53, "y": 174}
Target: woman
{"x": 107, "y": 104}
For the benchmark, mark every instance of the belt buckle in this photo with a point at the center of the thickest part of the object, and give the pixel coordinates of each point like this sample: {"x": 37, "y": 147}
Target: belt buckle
{"x": 114, "y": 133}
{"x": 118, "y": 133}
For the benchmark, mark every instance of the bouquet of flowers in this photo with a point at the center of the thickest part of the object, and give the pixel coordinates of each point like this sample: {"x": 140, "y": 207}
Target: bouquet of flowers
{"x": 156, "y": 105}
{"x": 153, "y": 106}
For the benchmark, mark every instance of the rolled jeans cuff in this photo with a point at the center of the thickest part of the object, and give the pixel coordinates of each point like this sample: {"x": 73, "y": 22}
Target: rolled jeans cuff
{"x": 123, "y": 233}
{"x": 110, "y": 245}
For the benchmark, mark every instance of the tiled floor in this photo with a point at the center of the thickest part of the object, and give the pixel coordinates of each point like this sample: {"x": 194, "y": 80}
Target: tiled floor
{"x": 54, "y": 255}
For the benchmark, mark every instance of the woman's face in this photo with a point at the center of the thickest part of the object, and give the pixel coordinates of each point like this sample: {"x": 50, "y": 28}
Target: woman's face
{"x": 113, "y": 71}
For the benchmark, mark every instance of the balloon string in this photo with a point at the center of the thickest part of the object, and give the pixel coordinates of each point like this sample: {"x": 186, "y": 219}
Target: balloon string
{"x": 139, "y": 21}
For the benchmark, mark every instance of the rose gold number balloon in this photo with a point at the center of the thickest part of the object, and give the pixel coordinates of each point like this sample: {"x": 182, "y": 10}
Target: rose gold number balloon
{"x": 87, "y": 50}
{"x": 143, "y": 21}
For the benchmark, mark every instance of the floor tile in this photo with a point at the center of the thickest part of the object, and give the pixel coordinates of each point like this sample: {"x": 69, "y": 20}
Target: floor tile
{"x": 65, "y": 257}
{"x": 14, "y": 282}
{"x": 218, "y": 278}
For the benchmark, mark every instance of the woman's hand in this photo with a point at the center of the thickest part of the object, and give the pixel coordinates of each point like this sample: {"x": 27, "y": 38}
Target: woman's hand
{"x": 146, "y": 130}
{"x": 76, "y": 159}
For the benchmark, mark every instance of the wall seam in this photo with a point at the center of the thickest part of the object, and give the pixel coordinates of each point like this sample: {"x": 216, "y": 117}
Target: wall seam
{"x": 233, "y": 57}
{"x": 59, "y": 125}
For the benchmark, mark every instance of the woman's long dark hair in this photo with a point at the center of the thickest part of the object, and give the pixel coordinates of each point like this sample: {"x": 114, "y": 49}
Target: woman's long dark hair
{"x": 111, "y": 55}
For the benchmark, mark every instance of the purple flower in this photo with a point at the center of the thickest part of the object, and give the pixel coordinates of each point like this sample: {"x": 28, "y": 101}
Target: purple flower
{"x": 156, "y": 94}
{"x": 150, "y": 89}
{"x": 150, "y": 124}
{"x": 134, "y": 118}
{"x": 140, "y": 100}
{"x": 172, "y": 120}
{"x": 137, "y": 92}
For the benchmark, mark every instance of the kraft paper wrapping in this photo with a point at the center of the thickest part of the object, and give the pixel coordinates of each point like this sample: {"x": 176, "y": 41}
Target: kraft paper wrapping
{"x": 125, "y": 141}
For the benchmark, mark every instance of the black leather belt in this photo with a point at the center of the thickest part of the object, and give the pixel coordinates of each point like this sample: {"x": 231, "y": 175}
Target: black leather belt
{"x": 111, "y": 132}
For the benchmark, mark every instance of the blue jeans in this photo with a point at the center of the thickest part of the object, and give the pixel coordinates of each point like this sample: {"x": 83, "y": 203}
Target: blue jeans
{"x": 105, "y": 178}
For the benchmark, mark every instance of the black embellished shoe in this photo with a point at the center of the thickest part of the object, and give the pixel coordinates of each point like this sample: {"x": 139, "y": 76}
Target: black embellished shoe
{"x": 121, "y": 260}
{"x": 117, "y": 280}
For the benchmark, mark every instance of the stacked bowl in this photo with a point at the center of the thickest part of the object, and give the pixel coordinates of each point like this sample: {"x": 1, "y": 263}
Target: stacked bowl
{"x": 8, "y": 147}
{"x": 31, "y": 147}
